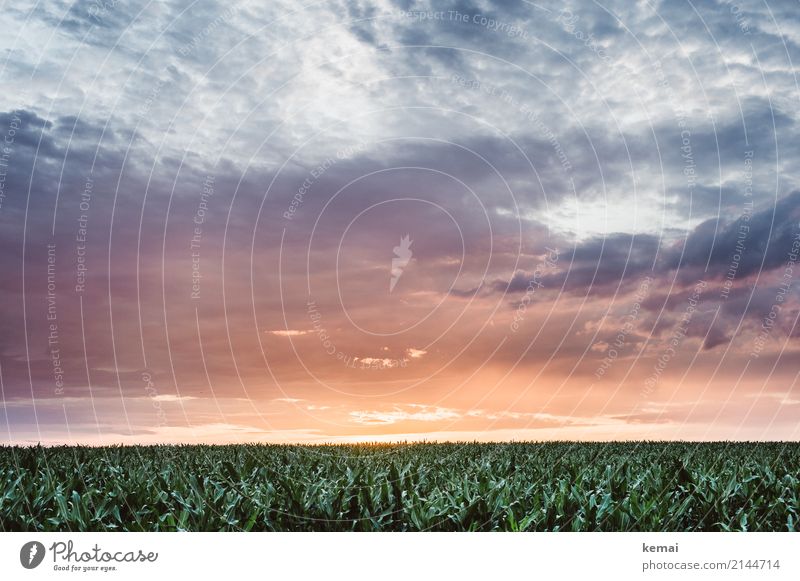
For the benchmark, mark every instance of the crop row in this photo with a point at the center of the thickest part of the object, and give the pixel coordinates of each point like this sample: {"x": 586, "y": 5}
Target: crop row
{"x": 419, "y": 487}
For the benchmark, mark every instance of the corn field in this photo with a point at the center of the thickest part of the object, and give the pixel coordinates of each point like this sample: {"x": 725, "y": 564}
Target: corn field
{"x": 414, "y": 487}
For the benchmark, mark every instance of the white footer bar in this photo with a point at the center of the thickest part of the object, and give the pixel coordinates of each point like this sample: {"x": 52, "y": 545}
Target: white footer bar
{"x": 400, "y": 556}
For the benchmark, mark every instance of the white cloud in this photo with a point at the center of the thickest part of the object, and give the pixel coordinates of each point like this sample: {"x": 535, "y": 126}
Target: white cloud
{"x": 384, "y": 362}
{"x": 415, "y": 353}
{"x": 173, "y": 398}
{"x": 413, "y": 412}
{"x": 288, "y": 332}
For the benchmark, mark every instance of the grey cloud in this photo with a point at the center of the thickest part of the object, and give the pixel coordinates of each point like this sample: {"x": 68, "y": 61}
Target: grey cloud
{"x": 766, "y": 237}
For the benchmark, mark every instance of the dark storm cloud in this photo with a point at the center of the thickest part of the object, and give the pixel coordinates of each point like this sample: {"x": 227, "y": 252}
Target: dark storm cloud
{"x": 766, "y": 238}
{"x": 613, "y": 258}
{"x": 29, "y": 131}
{"x": 758, "y": 244}
{"x": 63, "y": 167}
{"x": 596, "y": 266}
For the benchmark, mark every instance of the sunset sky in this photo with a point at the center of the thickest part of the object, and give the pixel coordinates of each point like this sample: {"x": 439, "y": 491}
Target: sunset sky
{"x": 391, "y": 221}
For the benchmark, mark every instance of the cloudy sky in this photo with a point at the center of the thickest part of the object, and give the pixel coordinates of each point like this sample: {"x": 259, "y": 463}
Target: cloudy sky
{"x": 353, "y": 220}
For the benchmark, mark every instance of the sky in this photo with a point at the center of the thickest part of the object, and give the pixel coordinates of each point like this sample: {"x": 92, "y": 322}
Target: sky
{"x": 393, "y": 221}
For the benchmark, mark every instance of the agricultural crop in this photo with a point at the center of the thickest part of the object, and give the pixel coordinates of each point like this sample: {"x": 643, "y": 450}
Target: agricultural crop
{"x": 405, "y": 487}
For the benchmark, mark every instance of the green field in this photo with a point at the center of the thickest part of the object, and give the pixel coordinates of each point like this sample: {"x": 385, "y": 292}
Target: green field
{"x": 420, "y": 487}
